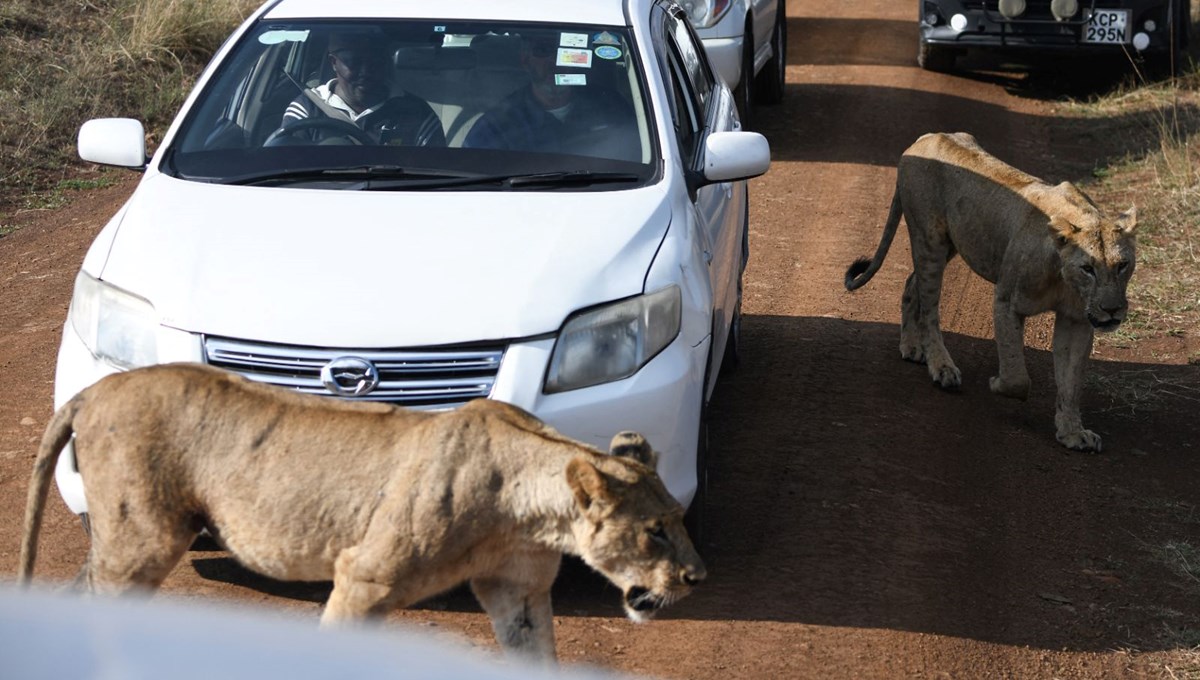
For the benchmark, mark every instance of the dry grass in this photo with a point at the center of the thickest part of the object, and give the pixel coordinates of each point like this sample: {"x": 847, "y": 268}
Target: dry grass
{"x": 1165, "y": 183}
{"x": 64, "y": 62}
{"x": 1133, "y": 392}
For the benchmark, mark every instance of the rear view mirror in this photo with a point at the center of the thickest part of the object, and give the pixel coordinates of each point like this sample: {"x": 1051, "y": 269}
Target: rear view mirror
{"x": 113, "y": 141}
{"x": 730, "y": 156}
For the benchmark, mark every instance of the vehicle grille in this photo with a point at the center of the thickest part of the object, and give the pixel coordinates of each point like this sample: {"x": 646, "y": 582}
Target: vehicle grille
{"x": 1039, "y": 10}
{"x": 436, "y": 378}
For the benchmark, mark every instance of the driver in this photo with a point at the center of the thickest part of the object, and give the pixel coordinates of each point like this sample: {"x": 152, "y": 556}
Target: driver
{"x": 360, "y": 94}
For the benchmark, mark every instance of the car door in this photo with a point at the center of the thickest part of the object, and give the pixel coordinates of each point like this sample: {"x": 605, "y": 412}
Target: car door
{"x": 702, "y": 108}
{"x": 763, "y": 16}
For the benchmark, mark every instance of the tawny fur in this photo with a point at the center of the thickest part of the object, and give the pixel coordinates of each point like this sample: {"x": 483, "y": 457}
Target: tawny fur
{"x": 1046, "y": 248}
{"x": 392, "y": 505}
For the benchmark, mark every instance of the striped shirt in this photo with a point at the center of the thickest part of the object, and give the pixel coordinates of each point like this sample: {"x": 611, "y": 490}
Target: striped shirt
{"x": 400, "y": 120}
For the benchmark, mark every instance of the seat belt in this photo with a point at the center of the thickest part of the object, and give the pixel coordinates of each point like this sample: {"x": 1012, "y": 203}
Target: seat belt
{"x": 326, "y": 108}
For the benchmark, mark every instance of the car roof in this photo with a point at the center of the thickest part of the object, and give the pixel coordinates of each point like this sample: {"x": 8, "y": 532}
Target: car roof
{"x": 603, "y": 12}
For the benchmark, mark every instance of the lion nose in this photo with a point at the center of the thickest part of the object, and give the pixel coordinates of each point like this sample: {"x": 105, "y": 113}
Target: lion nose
{"x": 692, "y": 575}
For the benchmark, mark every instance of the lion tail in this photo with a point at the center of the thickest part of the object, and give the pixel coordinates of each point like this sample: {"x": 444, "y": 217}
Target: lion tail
{"x": 859, "y": 273}
{"x": 58, "y": 433}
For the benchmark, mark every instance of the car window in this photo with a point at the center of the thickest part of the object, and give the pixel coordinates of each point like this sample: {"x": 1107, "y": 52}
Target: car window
{"x": 437, "y": 98}
{"x": 686, "y": 112}
{"x": 689, "y": 88}
{"x": 693, "y": 60}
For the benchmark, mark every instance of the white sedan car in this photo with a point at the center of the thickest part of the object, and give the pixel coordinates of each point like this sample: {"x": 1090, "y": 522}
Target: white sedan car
{"x": 425, "y": 203}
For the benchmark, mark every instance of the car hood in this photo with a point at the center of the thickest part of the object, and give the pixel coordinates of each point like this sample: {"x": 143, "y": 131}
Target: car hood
{"x": 380, "y": 269}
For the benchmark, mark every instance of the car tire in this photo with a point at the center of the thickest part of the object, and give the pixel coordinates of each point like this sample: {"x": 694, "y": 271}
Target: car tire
{"x": 694, "y": 518}
{"x": 743, "y": 94}
{"x": 772, "y": 80}
{"x": 935, "y": 57}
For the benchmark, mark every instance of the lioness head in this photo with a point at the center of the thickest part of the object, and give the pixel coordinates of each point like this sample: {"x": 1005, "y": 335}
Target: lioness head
{"x": 1097, "y": 254}
{"x": 632, "y": 528}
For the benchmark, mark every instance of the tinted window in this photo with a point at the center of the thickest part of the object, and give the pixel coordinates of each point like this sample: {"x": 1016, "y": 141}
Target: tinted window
{"x": 436, "y": 98}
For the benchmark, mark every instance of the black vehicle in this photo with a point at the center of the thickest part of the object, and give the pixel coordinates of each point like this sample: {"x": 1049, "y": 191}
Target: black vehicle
{"x": 1155, "y": 30}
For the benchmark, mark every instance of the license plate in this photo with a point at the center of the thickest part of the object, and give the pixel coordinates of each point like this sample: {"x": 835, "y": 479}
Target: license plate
{"x": 1107, "y": 27}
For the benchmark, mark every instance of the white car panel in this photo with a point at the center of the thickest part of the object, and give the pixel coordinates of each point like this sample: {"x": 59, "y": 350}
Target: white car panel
{"x": 324, "y": 274}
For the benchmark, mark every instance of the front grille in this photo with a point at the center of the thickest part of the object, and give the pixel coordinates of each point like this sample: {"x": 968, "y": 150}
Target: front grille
{"x": 1039, "y": 10}
{"x": 435, "y": 378}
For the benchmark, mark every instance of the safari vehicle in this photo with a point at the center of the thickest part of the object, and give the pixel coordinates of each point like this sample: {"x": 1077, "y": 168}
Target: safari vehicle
{"x": 595, "y": 282}
{"x": 746, "y": 41}
{"x": 1156, "y": 30}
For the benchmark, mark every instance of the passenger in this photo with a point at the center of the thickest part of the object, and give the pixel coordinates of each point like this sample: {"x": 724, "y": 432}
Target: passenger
{"x": 360, "y": 94}
{"x": 550, "y": 115}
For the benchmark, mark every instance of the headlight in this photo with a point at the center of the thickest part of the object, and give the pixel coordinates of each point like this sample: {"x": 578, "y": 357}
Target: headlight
{"x": 116, "y": 326}
{"x": 705, "y": 13}
{"x": 613, "y": 342}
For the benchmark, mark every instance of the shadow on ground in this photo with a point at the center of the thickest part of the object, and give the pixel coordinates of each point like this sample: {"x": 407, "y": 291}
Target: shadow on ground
{"x": 799, "y": 130}
{"x": 1036, "y": 75}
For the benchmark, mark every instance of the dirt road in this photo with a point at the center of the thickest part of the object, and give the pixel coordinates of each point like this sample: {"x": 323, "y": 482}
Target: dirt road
{"x": 863, "y": 523}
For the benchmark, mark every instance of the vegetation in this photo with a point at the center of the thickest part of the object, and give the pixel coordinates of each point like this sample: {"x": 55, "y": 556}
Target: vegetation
{"x": 64, "y": 61}
{"x": 1165, "y": 293}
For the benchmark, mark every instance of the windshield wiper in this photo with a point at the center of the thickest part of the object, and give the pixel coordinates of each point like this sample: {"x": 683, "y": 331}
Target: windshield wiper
{"x": 578, "y": 177}
{"x": 361, "y": 173}
{"x": 524, "y": 181}
{"x": 393, "y": 177}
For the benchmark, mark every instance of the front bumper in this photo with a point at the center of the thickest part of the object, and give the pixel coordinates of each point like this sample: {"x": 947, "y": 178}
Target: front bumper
{"x": 723, "y": 43}
{"x": 1037, "y": 30}
{"x": 661, "y": 401}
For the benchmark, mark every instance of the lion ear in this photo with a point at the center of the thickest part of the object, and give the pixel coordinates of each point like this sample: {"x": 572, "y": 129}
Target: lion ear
{"x": 633, "y": 445}
{"x": 1063, "y": 228}
{"x": 587, "y": 483}
{"x": 1127, "y": 221}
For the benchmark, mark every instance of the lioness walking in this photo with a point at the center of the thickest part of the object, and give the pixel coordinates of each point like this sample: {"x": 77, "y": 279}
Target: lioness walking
{"x": 1046, "y": 248}
{"x": 393, "y": 505}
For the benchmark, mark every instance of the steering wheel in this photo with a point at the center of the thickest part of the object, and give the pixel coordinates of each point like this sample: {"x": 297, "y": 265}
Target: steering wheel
{"x": 333, "y": 126}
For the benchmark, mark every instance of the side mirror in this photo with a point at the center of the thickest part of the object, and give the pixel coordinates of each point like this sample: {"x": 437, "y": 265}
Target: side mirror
{"x": 113, "y": 141}
{"x": 731, "y": 156}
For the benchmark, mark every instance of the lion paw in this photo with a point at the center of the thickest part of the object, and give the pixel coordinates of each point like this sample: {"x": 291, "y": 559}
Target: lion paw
{"x": 1080, "y": 440}
{"x": 1016, "y": 390}
{"x": 947, "y": 377}
{"x": 913, "y": 353}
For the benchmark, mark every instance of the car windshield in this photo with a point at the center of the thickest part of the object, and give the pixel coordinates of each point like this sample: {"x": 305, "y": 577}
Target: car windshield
{"x": 407, "y": 104}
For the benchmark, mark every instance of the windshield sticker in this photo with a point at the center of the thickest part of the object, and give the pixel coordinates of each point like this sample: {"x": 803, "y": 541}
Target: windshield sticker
{"x": 605, "y": 38}
{"x": 570, "y": 79}
{"x": 276, "y": 37}
{"x": 574, "y": 57}
{"x": 573, "y": 40}
{"x": 608, "y": 52}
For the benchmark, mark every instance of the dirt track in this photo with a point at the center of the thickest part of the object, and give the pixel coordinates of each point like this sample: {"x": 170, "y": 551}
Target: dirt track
{"x": 863, "y": 523}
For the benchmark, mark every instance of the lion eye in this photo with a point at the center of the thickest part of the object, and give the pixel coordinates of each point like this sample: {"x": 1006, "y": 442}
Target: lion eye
{"x": 1122, "y": 266}
{"x": 1088, "y": 269}
{"x": 658, "y": 534}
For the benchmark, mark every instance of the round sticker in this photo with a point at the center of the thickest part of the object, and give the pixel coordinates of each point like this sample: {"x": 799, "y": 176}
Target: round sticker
{"x": 608, "y": 52}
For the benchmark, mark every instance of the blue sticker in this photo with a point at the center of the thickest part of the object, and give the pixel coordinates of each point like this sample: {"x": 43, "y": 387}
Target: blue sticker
{"x": 608, "y": 52}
